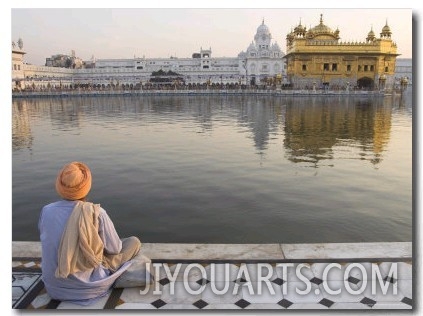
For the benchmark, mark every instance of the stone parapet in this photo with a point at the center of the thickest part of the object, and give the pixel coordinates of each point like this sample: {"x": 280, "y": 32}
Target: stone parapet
{"x": 255, "y": 252}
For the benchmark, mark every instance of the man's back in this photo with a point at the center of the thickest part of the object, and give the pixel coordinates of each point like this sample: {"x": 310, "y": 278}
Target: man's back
{"x": 80, "y": 287}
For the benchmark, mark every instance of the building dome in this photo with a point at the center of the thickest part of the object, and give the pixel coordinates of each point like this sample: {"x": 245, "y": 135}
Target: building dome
{"x": 386, "y": 28}
{"x": 321, "y": 28}
{"x": 386, "y": 31}
{"x": 371, "y": 36}
{"x": 323, "y": 31}
{"x": 299, "y": 28}
{"x": 275, "y": 47}
{"x": 263, "y": 29}
{"x": 263, "y": 36}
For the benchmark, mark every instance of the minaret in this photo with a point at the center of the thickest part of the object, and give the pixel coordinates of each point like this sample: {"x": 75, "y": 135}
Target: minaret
{"x": 386, "y": 31}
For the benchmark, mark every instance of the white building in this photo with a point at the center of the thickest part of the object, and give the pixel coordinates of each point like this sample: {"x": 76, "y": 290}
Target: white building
{"x": 18, "y": 74}
{"x": 25, "y": 76}
{"x": 262, "y": 60}
{"x": 199, "y": 69}
{"x": 404, "y": 68}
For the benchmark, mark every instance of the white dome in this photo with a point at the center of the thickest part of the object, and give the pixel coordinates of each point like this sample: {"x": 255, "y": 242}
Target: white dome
{"x": 275, "y": 47}
{"x": 263, "y": 29}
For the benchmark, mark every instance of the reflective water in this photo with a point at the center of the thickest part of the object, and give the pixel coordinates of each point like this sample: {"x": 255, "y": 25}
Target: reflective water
{"x": 224, "y": 169}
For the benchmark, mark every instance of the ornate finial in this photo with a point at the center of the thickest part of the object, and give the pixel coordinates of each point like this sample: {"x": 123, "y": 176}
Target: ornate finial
{"x": 262, "y": 22}
{"x": 300, "y": 21}
{"x": 321, "y": 18}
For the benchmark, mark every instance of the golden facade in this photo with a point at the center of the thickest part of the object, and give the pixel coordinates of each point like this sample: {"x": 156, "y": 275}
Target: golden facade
{"x": 316, "y": 58}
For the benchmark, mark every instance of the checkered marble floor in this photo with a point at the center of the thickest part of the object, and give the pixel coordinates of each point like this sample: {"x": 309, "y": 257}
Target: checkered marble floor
{"x": 229, "y": 285}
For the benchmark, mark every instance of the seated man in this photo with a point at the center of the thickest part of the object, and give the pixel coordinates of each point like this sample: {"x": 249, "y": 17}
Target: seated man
{"x": 82, "y": 254}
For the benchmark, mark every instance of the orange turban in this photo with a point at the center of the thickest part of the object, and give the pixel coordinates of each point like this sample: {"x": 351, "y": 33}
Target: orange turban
{"x": 74, "y": 181}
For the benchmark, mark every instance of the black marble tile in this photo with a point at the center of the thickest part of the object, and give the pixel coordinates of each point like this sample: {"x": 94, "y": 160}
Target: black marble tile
{"x": 368, "y": 301}
{"x": 407, "y": 300}
{"x": 326, "y": 302}
{"x": 285, "y": 303}
{"x": 353, "y": 280}
{"x": 159, "y": 303}
{"x": 278, "y": 281}
{"x": 203, "y": 281}
{"x": 242, "y": 303}
{"x": 200, "y": 304}
{"x": 164, "y": 281}
{"x": 316, "y": 281}
{"x": 390, "y": 279}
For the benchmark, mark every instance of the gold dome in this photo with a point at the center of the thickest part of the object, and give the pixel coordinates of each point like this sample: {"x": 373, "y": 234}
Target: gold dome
{"x": 386, "y": 31}
{"x": 371, "y": 36}
{"x": 300, "y": 28}
{"x": 321, "y": 28}
{"x": 322, "y": 31}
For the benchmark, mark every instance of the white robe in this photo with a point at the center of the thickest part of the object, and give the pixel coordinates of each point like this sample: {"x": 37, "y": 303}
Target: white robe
{"x": 81, "y": 287}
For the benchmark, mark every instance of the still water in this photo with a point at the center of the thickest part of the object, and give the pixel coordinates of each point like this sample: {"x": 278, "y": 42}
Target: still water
{"x": 227, "y": 169}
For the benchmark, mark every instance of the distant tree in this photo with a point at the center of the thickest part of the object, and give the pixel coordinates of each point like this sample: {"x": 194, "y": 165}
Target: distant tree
{"x": 166, "y": 77}
{"x": 68, "y": 63}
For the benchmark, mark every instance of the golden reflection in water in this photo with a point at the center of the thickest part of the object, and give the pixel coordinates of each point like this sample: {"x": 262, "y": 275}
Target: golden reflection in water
{"x": 361, "y": 127}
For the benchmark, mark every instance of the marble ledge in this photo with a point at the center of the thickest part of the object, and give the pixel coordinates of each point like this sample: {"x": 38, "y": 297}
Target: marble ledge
{"x": 178, "y": 251}
{"x": 214, "y": 251}
{"x": 365, "y": 250}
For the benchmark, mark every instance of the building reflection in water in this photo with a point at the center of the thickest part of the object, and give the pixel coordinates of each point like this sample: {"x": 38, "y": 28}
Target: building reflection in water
{"x": 317, "y": 130}
{"x": 260, "y": 116}
{"x": 63, "y": 114}
{"x": 21, "y": 126}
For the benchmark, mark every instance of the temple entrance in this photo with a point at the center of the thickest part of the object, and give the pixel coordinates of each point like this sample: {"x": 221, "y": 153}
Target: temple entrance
{"x": 365, "y": 83}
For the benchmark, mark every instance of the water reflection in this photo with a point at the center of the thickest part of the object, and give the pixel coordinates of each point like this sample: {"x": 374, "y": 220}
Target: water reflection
{"x": 359, "y": 128}
{"x": 21, "y": 126}
{"x": 314, "y": 130}
{"x": 262, "y": 118}
{"x": 196, "y": 159}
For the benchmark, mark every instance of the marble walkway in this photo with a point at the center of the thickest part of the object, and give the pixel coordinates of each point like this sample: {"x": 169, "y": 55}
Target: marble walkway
{"x": 245, "y": 276}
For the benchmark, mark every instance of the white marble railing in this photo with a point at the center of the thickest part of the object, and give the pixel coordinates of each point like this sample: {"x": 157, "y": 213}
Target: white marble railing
{"x": 170, "y": 251}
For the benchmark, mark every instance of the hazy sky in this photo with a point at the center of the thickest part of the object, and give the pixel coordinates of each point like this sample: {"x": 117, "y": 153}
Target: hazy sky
{"x": 123, "y": 33}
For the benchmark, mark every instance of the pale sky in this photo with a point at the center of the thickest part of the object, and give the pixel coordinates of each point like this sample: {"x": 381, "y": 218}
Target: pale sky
{"x": 164, "y": 32}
